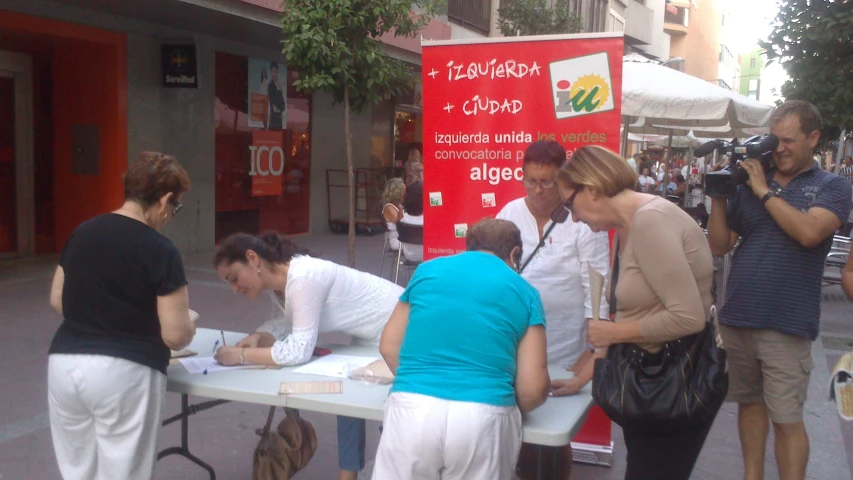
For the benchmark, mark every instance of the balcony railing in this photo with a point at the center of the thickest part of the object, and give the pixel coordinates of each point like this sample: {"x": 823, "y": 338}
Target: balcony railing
{"x": 473, "y": 14}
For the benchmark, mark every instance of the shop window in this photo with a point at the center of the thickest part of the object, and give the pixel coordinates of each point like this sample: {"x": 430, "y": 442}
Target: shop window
{"x": 263, "y": 156}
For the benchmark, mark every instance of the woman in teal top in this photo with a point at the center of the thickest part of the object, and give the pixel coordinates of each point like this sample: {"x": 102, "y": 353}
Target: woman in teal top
{"x": 467, "y": 345}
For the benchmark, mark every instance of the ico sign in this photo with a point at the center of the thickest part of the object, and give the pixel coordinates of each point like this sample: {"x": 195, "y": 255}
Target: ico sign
{"x": 266, "y": 162}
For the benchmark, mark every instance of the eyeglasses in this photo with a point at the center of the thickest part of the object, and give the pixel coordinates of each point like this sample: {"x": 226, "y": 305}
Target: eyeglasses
{"x": 177, "y": 206}
{"x": 545, "y": 184}
{"x": 571, "y": 200}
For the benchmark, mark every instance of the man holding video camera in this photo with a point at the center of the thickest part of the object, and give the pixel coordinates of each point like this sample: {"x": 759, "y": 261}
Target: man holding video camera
{"x": 785, "y": 220}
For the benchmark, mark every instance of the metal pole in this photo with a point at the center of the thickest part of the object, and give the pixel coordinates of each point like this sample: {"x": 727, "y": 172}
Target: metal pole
{"x": 667, "y": 159}
{"x": 624, "y": 146}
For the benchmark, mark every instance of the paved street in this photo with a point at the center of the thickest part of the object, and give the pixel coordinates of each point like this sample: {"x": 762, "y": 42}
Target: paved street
{"x": 224, "y": 436}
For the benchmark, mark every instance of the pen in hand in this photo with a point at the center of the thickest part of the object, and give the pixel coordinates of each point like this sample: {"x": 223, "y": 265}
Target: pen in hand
{"x": 223, "y": 337}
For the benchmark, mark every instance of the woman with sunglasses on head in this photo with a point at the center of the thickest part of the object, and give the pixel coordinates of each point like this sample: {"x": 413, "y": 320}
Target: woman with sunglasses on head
{"x": 311, "y": 296}
{"x": 122, "y": 292}
{"x": 662, "y": 291}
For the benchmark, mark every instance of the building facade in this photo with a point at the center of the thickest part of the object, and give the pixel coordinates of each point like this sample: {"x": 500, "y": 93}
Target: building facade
{"x": 751, "y": 68}
{"x": 86, "y": 86}
{"x": 695, "y": 28}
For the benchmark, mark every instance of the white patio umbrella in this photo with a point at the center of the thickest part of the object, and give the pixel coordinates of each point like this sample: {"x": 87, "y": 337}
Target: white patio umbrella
{"x": 660, "y": 100}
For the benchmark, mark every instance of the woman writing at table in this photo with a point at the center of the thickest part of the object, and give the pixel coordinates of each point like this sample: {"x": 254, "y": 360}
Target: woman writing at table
{"x": 312, "y": 296}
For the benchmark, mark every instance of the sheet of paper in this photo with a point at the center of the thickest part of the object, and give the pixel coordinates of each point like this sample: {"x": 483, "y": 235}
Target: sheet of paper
{"x": 290, "y": 388}
{"x": 334, "y": 365}
{"x": 596, "y": 286}
{"x": 209, "y": 365}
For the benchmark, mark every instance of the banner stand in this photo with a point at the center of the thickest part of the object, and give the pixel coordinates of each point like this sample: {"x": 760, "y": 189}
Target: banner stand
{"x": 593, "y": 443}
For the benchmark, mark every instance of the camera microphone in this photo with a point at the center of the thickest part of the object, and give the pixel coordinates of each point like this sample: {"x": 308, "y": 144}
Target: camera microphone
{"x": 766, "y": 143}
{"x": 707, "y": 148}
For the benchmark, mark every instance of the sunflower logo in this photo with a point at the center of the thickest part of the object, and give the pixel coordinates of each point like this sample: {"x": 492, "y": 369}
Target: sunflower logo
{"x": 582, "y": 85}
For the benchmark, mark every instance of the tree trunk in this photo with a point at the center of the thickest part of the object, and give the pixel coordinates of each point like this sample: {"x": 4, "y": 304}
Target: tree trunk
{"x": 351, "y": 177}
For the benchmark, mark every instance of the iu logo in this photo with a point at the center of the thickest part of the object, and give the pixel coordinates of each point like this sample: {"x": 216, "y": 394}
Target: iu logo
{"x": 581, "y": 86}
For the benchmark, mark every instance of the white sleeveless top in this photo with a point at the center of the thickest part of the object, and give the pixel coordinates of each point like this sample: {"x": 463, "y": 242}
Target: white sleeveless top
{"x": 391, "y": 234}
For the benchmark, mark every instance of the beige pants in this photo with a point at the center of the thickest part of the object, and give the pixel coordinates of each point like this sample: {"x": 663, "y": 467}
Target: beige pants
{"x": 427, "y": 438}
{"x": 104, "y": 416}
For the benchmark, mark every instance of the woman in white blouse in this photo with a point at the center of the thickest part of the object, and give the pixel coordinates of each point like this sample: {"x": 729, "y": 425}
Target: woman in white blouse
{"x": 312, "y": 296}
{"x": 392, "y": 212}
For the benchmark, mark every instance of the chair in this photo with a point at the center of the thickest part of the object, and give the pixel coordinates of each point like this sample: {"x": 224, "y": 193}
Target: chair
{"x": 836, "y": 260}
{"x": 410, "y": 235}
{"x": 386, "y": 247}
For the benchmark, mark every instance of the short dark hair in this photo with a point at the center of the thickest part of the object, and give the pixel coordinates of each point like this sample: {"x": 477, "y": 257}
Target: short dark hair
{"x": 270, "y": 246}
{"x": 545, "y": 152}
{"x": 497, "y": 236}
{"x": 274, "y": 65}
{"x": 413, "y": 200}
{"x": 152, "y": 176}
{"x": 679, "y": 178}
{"x": 809, "y": 116}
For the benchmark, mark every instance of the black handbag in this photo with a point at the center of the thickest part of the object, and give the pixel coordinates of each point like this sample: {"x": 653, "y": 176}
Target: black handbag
{"x": 681, "y": 386}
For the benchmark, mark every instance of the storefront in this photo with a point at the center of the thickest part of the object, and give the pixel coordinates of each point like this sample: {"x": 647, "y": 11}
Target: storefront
{"x": 263, "y": 148}
{"x": 84, "y": 89}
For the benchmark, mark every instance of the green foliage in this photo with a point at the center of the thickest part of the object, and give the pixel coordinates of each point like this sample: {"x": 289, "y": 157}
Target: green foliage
{"x": 536, "y": 17}
{"x": 813, "y": 41}
{"x": 332, "y": 43}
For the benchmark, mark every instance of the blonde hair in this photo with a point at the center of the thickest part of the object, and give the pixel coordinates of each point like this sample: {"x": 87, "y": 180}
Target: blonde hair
{"x": 599, "y": 168}
{"x": 394, "y": 190}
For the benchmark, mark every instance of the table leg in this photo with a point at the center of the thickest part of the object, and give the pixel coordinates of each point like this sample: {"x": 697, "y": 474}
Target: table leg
{"x": 538, "y": 462}
{"x": 184, "y": 449}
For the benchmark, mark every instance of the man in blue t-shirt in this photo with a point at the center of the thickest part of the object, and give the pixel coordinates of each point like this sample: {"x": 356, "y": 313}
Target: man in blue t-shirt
{"x": 467, "y": 346}
{"x": 785, "y": 221}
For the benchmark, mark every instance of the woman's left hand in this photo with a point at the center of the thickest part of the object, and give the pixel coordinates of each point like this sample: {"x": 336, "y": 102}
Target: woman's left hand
{"x": 600, "y": 333}
{"x": 228, "y": 355}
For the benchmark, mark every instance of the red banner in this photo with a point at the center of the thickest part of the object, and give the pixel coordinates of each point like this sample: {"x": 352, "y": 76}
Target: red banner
{"x": 267, "y": 157}
{"x": 485, "y": 101}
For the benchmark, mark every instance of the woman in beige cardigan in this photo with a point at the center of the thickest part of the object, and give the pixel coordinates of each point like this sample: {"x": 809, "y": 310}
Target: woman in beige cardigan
{"x": 663, "y": 291}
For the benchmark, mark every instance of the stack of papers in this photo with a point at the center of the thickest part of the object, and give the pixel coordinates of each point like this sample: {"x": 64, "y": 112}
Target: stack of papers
{"x": 207, "y": 365}
{"x": 338, "y": 366}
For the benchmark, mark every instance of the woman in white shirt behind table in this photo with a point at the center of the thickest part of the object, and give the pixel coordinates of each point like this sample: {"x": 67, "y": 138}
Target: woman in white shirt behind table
{"x": 313, "y": 296}
{"x": 559, "y": 270}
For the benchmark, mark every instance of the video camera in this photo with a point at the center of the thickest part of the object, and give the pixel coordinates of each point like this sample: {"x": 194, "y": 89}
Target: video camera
{"x": 723, "y": 183}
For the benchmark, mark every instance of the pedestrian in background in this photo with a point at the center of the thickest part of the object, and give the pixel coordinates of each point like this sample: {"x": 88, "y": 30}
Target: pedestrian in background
{"x": 122, "y": 292}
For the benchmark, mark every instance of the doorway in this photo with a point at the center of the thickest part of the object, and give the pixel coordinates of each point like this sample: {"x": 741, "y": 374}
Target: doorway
{"x": 17, "y": 206}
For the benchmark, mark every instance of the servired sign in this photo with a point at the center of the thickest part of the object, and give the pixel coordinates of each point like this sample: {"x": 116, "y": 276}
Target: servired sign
{"x": 267, "y": 162}
{"x": 486, "y": 100}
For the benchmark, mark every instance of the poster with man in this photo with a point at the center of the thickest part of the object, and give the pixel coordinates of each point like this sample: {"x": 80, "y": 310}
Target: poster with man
{"x": 267, "y": 94}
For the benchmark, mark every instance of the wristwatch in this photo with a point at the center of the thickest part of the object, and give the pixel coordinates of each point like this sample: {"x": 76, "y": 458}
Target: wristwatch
{"x": 767, "y": 196}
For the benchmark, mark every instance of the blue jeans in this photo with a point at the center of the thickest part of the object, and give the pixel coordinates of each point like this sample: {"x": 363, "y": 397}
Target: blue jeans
{"x": 352, "y": 433}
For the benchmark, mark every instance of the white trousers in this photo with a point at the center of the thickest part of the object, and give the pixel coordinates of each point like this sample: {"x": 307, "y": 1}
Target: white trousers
{"x": 427, "y": 438}
{"x": 104, "y": 416}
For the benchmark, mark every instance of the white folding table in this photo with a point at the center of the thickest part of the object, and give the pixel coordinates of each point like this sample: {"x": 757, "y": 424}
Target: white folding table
{"x": 553, "y": 424}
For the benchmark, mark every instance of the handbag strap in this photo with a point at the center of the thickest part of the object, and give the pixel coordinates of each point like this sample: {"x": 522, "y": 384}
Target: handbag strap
{"x": 614, "y": 277}
{"x": 269, "y": 422}
{"x": 540, "y": 245}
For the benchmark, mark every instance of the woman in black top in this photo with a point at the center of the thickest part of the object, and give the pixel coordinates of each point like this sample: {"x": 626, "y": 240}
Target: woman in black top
{"x": 121, "y": 289}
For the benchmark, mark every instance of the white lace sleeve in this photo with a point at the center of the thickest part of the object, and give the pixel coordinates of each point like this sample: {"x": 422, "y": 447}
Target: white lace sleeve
{"x": 306, "y": 298}
{"x": 278, "y": 326}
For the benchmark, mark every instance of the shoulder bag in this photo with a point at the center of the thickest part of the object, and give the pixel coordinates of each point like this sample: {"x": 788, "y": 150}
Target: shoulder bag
{"x": 681, "y": 386}
{"x": 285, "y": 451}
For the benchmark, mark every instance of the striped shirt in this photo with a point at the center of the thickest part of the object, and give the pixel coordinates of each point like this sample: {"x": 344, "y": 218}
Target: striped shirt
{"x": 774, "y": 282}
{"x": 847, "y": 172}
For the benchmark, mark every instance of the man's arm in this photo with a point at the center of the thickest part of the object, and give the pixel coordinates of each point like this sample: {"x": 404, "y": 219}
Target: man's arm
{"x": 809, "y": 228}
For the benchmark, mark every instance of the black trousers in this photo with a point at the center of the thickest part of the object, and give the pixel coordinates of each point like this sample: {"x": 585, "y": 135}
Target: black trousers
{"x": 664, "y": 457}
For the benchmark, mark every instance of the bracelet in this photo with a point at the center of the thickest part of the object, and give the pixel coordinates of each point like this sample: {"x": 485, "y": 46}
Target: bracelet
{"x": 241, "y": 356}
